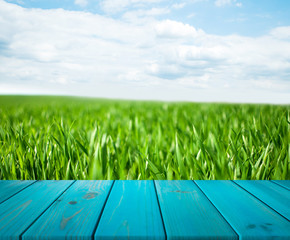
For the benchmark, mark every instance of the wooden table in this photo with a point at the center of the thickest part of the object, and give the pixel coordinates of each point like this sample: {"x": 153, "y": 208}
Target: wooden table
{"x": 144, "y": 210}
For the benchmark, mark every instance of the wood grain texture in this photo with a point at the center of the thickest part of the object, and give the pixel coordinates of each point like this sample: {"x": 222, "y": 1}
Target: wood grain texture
{"x": 10, "y": 187}
{"x": 17, "y": 213}
{"x": 270, "y": 193}
{"x": 131, "y": 212}
{"x": 249, "y": 217}
{"x": 74, "y": 215}
{"x": 188, "y": 214}
{"x": 283, "y": 183}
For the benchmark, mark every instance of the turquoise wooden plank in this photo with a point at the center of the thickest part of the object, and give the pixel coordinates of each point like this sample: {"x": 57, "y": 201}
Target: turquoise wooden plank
{"x": 283, "y": 183}
{"x": 18, "y": 212}
{"x": 10, "y": 187}
{"x": 270, "y": 193}
{"x": 249, "y": 217}
{"x": 131, "y": 212}
{"x": 188, "y": 214}
{"x": 74, "y": 215}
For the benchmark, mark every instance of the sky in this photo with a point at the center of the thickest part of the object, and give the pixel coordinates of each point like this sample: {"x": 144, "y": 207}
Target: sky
{"x": 185, "y": 50}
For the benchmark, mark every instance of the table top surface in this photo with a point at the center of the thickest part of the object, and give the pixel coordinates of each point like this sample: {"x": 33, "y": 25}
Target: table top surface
{"x": 144, "y": 209}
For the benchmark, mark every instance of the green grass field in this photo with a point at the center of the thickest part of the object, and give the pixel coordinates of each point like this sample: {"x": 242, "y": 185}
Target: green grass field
{"x": 79, "y": 138}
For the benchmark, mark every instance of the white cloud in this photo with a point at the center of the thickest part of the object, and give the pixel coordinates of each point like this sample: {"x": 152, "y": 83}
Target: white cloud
{"x": 281, "y": 32}
{"x": 191, "y": 15}
{"x": 221, "y": 3}
{"x": 137, "y": 15}
{"x": 174, "y": 29}
{"x": 81, "y": 3}
{"x": 178, "y": 5}
{"x": 115, "y": 6}
{"x": 80, "y": 53}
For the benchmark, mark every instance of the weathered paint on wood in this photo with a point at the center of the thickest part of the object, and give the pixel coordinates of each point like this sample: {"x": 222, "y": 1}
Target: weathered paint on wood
{"x": 188, "y": 214}
{"x": 17, "y": 214}
{"x": 131, "y": 212}
{"x": 74, "y": 214}
{"x": 74, "y": 210}
{"x": 10, "y": 187}
{"x": 249, "y": 217}
{"x": 275, "y": 196}
{"x": 283, "y": 183}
